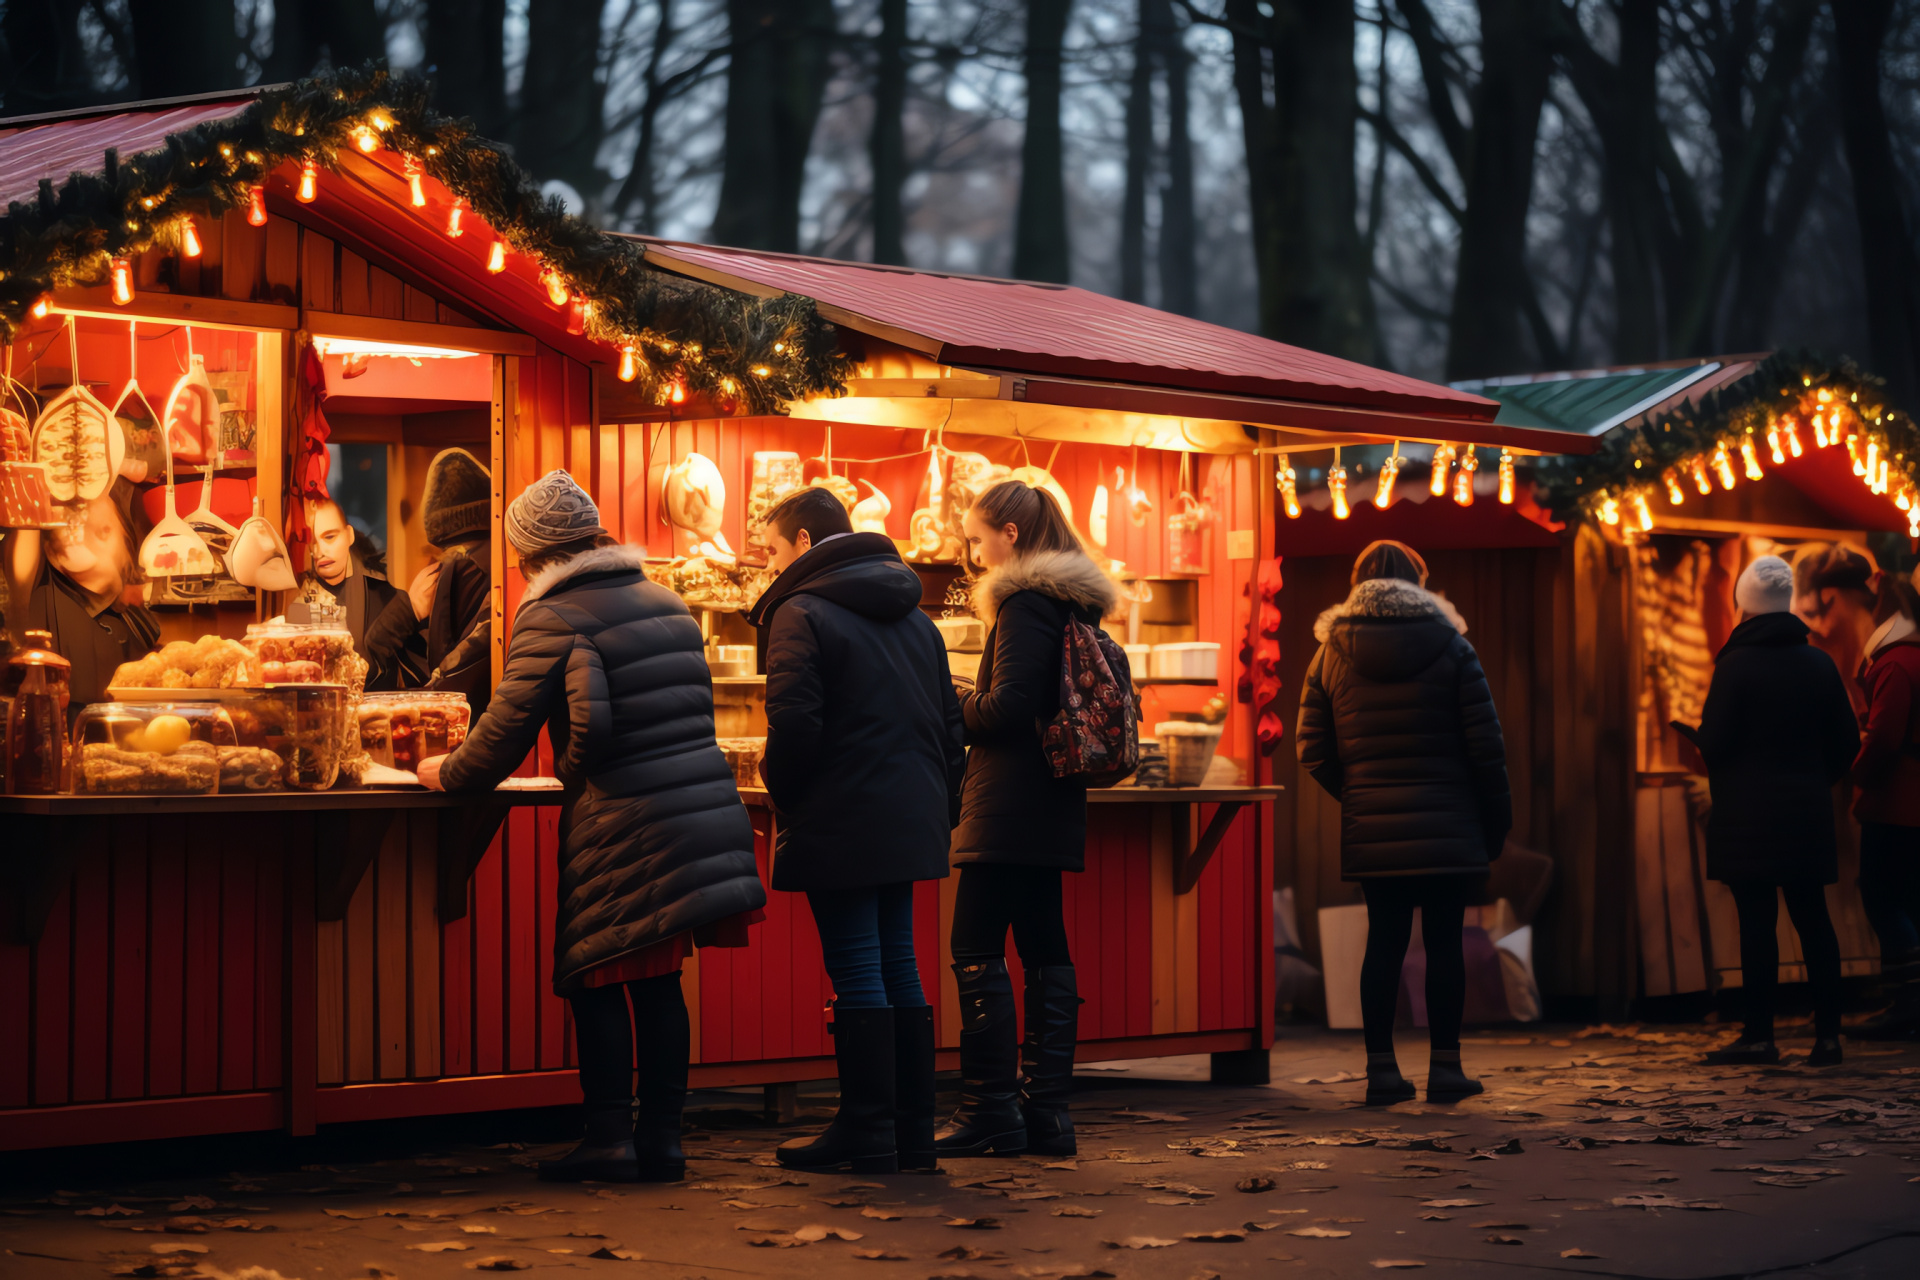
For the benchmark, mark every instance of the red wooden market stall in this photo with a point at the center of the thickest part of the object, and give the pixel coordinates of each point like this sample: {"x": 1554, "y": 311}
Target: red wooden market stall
{"x": 286, "y": 957}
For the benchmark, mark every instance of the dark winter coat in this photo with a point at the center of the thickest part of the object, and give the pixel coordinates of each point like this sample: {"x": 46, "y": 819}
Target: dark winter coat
{"x": 1012, "y": 809}
{"x": 863, "y": 753}
{"x": 398, "y": 660}
{"x": 462, "y": 601}
{"x": 1397, "y": 724}
{"x": 1887, "y": 771}
{"x": 1777, "y": 732}
{"x": 654, "y": 841}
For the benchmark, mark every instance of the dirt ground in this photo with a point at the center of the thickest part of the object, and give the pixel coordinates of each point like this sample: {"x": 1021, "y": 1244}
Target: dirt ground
{"x": 1602, "y": 1151}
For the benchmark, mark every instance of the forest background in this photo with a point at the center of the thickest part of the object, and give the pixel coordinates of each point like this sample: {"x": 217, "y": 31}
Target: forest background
{"x": 1455, "y": 190}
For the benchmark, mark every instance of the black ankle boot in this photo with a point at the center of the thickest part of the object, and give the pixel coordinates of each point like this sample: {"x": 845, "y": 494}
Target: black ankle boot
{"x": 989, "y": 1118}
{"x": 1385, "y": 1084}
{"x": 660, "y": 1018}
{"x": 1825, "y": 1052}
{"x": 605, "y": 1154}
{"x": 913, "y": 1102}
{"x": 861, "y": 1135}
{"x": 1447, "y": 1080}
{"x": 1053, "y": 1023}
{"x": 1747, "y": 1051}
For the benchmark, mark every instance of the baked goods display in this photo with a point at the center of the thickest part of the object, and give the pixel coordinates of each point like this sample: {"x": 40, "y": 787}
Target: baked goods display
{"x": 150, "y": 748}
{"x": 244, "y": 769}
{"x": 211, "y": 662}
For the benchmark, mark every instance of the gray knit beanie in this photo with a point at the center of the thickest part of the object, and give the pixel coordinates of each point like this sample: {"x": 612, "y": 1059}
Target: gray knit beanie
{"x": 553, "y": 510}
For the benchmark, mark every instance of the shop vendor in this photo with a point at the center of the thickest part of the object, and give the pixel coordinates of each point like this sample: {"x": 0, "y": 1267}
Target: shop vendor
{"x": 353, "y": 574}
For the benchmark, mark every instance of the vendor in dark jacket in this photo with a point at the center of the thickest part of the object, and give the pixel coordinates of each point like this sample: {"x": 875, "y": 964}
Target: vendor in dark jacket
{"x": 656, "y": 850}
{"x": 1397, "y": 724}
{"x": 1777, "y": 733}
{"x": 354, "y": 576}
{"x": 1020, "y": 828}
{"x": 451, "y": 600}
{"x": 1886, "y": 777}
{"x": 863, "y": 763}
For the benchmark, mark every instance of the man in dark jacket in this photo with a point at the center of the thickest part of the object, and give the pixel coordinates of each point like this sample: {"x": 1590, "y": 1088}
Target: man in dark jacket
{"x": 1777, "y": 732}
{"x": 450, "y": 600}
{"x": 863, "y": 763}
{"x": 346, "y": 573}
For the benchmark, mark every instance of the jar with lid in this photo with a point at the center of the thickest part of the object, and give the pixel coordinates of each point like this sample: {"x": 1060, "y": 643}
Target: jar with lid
{"x": 153, "y": 748}
{"x": 297, "y": 723}
{"x": 36, "y": 727}
{"x": 402, "y": 729}
{"x": 301, "y": 653}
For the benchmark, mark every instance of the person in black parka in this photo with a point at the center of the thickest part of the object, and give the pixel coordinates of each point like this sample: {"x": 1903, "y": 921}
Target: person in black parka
{"x": 863, "y": 763}
{"x": 1777, "y": 732}
{"x": 656, "y": 849}
{"x": 1020, "y": 828}
{"x": 1397, "y": 723}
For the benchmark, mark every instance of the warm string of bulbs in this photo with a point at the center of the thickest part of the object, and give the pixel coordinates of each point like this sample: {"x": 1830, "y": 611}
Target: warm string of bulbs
{"x": 1462, "y": 460}
{"x": 561, "y": 292}
{"x": 1829, "y": 419}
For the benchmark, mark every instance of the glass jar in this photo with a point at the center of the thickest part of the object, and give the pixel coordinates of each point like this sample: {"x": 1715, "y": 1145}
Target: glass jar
{"x": 297, "y": 653}
{"x": 151, "y": 748}
{"x": 299, "y": 724}
{"x": 35, "y": 733}
{"x": 402, "y": 729}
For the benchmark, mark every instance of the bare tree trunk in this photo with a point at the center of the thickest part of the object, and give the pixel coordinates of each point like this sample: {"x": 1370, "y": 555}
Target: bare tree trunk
{"x": 466, "y": 56}
{"x": 1040, "y": 227}
{"x": 188, "y": 46}
{"x": 1886, "y": 239}
{"x": 350, "y": 31}
{"x": 775, "y": 82}
{"x": 1294, "y": 76}
{"x": 888, "y": 145}
{"x": 1632, "y": 192}
{"x": 1178, "y": 274}
{"x": 45, "y": 66}
{"x": 1139, "y": 132}
{"x": 560, "y": 126}
{"x": 1492, "y": 287}
{"x": 638, "y": 189}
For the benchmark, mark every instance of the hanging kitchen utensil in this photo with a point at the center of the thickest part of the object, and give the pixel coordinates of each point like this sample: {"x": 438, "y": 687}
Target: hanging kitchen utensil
{"x": 192, "y": 417}
{"x": 145, "y": 450}
{"x": 1097, "y": 517}
{"x": 871, "y": 512}
{"x": 78, "y": 439}
{"x": 695, "y": 498}
{"x": 26, "y": 498}
{"x": 258, "y": 556}
{"x": 173, "y": 549}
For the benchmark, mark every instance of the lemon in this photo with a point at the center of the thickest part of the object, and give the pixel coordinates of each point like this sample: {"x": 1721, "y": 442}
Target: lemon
{"x": 167, "y": 734}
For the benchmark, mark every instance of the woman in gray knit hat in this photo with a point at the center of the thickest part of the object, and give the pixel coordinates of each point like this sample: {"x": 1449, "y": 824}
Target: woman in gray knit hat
{"x": 656, "y": 849}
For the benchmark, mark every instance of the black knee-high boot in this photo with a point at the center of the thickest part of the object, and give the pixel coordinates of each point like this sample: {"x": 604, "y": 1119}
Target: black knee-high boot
{"x": 665, "y": 1040}
{"x": 603, "y": 1032}
{"x": 861, "y": 1136}
{"x": 989, "y": 1118}
{"x": 1053, "y": 1023}
{"x": 913, "y": 1100}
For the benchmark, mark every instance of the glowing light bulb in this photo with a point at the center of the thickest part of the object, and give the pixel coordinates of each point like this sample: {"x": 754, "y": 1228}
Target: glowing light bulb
{"x": 1442, "y": 459}
{"x": 1389, "y": 475}
{"x": 189, "y": 238}
{"x": 1833, "y": 426}
{"x": 454, "y": 213}
{"x": 1793, "y": 439}
{"x": 309, "y": 182}
{"x": 1642, "y": 512}
{"x": 678, "y": 392}
{"x": 257, "y": 207}
{"x": 497, "y": 258}
{"x": 556, "y": 287}
{"x": 1463, "y": 478}
{"x": 1873, "y": 460}
{"x": 1506, "y": 477}
{"x": 1880, "y": 478}
{"x": 1609, "y": 509}
{"x": 1701, "y": 479}
{"x": 1904, "y": 498}
{"x": 1285, "y": 480}
{"x": 1337, "y": 487}
{"x": 120, "y": 275}
{"x": 366, "y": 139}
{"x": 1853, "y": 451}
{"x": 41, "y": 305}
{"x": 1675, "y": 494}
{"x": 577, "y": 317}
{"x": 1820, "y": 432}
{"x": 416, "y": 193}
{"x": 629, "y": 363}
{"x": 1750, "y": 458}
{"x": 1913, "y": 521}
{"x": 1825, "y": 396}
{"x": 1723, "y": 465}
{"x": 1773, "y": 443}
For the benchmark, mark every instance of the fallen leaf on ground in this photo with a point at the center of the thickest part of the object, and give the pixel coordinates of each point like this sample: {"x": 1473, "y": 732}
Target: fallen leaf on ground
{"x": 1390, "y": 1264}
{"x": 967, "y": 1253}
{"x": 975, "y": 1224}
{"x": 775, "y": 1242}
{"x": 881, "y": 1215}
{"x": 1436, "y": 1217}
{"x": 1140, "y": 1242}
{"x": 440, "y": 1246}
{"x": 1075, "y": 1211}
{"x": 1071, "y": 1166}
{"x": 1171, "y": 1200}
{"x": 1499, "y": 1226}
{"x": 479, "y": 1230}
{"x": 1503, "y": 1240}
{"x": 1455, "y": 1204}
{"x": 107, "y": 1211}
{"x": 178, "y": 1248}
{"x": 1340, "y": 1078}
{"x": 1151, "y": 1117}
{"x": 1255, "y": 1185}
{"x": 814, "y": 1231}
{"x": 1214, "y": 1237}
{"x": 191, "y": 1202}
{"x": 1320, "y": 1233}
{"x": 614, "y": 1251}
{"x": 880, "y": 1255}
{"x": 1580, "y": 1253}
{"x": 1033, "y": 1195}
{"x": 499, "y": 1264}
{"x": 1661, "y": 1200}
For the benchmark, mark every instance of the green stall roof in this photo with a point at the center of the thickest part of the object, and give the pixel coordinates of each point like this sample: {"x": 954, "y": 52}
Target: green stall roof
{"x": 1587, "y": 403}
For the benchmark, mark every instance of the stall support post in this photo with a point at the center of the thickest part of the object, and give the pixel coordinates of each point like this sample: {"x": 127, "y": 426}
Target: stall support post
{"x": 302, "y": 998}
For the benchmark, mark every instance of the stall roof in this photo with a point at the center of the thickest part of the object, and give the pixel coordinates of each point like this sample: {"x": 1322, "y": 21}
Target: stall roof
{"x": 53, "y": 146}
{"x": 1594, "y": 401}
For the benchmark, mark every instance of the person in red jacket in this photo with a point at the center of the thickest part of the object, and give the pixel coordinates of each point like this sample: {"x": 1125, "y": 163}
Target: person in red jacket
{"x": 1886, "y": 776}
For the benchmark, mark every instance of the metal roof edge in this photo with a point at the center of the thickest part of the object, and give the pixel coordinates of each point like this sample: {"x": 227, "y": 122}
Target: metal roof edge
{"x": 146, "y": 104}
{"x": 1664, "y": 394}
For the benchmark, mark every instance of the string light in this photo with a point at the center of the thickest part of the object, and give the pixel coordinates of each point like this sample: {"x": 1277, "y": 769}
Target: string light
{"x": 1442, "y": 459}
{"x": 1675, "y": 494}
{"x": 1723, "y": 464}
{"x": 1750, "y": 458}
{"x": 1701, "y": 479}
{"x": 41, "y": 306}
{"x": 416, "y": 193}
{"x": 1506, "y": 477}
{"x": 120, "y": 274}
{"x": 1384, "y": 482}
{"x": 1820, "y": 432}
{"x": 629, "y": 363}
{"x": 577, "y": 317}
{"x": 1285, "y": 481}
{"x": 1773, "y": 444}
{"x": 366, "y": 139}
{"x": 1337, "y": 486}
{"x": 497, "y": 258}
{"x": 257, "y": 206}
{"x": 189, "y": 238}
{"x": 1641, "y": 511}
{"x": 1853, "y": 451}
{"x": 1913, "y": 521}
{"x": 1793, "y": 439}
{"x": 678, "y": 393}
{"x": 1609, "y": 509}
{"x": 1463, "y": 478}
{"x": 556, "y": 286}
{"x": 454, "y": 214}
{"x": 309, "y": 182}
{"x": 1872, "y": 469}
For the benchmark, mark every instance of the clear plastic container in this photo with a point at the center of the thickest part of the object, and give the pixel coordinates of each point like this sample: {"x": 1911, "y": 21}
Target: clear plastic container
{"x": 34, "y": 732}
{"x": 300, "y": 724}
{"x": 400, "y": 730}
{"x": 295, "y": 653}
{"x": 150, "y": 748}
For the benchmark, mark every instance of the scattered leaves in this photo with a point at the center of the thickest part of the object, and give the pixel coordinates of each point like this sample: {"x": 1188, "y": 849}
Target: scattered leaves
{"x": 880, "y": 1255}
{"x": 1075, "y": 1211}
{"x": 1320, "y": 1233}
{"x": 499, "y": 1264}
{"x": 1254, "y": 1185}
{"x": 813, "y": 1231}
{"x": 1458, "y": 1204}
{"x": 975, "y": 1224}
{"x": 1140, "y": 1242}
{"x": 1504, "y": 1240}
{"x": 1395, "y": 1264}
{"x": 1580, "y": 1253}
{"x": 1227, "y": 1236}
{"x": 440, "y": 1246}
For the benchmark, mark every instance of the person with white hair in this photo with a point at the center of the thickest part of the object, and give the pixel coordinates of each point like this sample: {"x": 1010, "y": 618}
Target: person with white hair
{"x": 1777, "y": 733}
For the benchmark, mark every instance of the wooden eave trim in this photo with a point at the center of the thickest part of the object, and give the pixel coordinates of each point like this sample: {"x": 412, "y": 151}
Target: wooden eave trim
{"x": 498, "y": 342}
{"x": 176, "y": 308}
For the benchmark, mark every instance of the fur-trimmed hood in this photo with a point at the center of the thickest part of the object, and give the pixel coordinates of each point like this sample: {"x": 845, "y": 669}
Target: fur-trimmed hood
{"x": 1071, "y": 576}
{"x": 599, "y": 560}
{"x": 1389, "y": 598}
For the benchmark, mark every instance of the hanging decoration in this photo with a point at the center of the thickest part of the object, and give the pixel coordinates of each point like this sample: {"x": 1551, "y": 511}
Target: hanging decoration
{"x": 1442, "y": 459}
{"x": 1337, "y": 487}
{"x": 1463, "y": 478}
{"x": 1389, "y": 475}
{"x": 1287, "y": 481}
{"x": 757, "y": 353}
{"x": 1506, "y": 477}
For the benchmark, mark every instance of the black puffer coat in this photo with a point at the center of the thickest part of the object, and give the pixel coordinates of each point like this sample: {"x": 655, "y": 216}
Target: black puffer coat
{"x": 1397, "y": 724}
{"x": 654, "y": 839}
{"x": 863, "y": 730}
{"x": 1777, "y": 732}
{"x": 1012, "y": 808}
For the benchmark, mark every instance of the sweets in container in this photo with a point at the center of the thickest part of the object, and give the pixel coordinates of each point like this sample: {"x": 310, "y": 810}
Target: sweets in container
{"x": 400, "y": 730}
{"x": 299, "y": 724}
{"x": 151, "y": 748}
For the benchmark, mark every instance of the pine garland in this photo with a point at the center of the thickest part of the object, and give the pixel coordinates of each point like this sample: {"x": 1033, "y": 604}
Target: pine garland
{"x": 687, "y": 337}
{"x": 1792, "y": 399}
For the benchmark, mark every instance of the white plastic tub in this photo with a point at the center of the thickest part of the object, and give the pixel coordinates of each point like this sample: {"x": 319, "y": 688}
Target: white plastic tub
{"x": 1188, "y": 659}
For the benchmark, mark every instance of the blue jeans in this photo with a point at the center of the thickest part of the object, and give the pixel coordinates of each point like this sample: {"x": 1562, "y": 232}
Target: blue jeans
{"x": 866, "y": 938}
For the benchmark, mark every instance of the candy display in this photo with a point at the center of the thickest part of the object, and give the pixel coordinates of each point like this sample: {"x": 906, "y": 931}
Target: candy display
{"x": 298, "y": 724}
{"x": 402, "y": 729}
{"x": 150, "y": 748}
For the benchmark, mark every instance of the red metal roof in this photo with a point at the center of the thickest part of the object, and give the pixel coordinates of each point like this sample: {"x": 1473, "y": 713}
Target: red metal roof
{"x": 1023, "y": 327}
{"x": 57, "y": 147}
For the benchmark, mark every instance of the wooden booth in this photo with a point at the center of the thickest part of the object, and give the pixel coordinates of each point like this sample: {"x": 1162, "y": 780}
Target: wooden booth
{"x": 339, "y": 260}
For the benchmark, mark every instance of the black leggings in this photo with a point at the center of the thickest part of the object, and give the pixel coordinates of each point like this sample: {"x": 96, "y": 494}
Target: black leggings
{"x": 1759, "y": 909}
{"x": 604, "y": 1031}
{"x": 994, "y": 897}
{"x": 1391, "y": 900}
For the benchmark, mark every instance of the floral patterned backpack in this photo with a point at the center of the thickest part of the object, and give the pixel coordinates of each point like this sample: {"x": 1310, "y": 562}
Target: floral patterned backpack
{"x": 1093, "y": 736}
